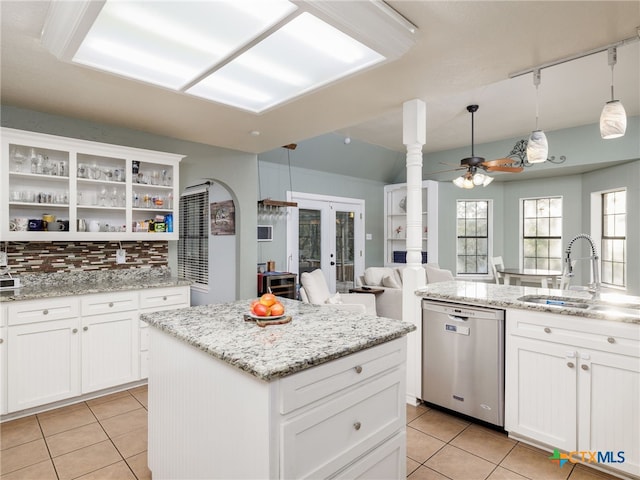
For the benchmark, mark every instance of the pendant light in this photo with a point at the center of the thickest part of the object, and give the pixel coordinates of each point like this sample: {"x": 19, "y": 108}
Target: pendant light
{"x": 537, "y": 146}
{"x": 613, "y": 119}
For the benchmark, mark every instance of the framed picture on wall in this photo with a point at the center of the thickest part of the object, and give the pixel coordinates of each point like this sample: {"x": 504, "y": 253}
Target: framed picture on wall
{"x": 223, "y": 218}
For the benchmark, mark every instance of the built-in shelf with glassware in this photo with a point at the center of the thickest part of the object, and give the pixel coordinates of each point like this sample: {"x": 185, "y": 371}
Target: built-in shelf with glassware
{"x": 395, "y": 226}
{"x": 62, "y": 188}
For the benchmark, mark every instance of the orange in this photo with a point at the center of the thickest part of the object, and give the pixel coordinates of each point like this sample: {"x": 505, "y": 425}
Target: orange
{"x": 268, "y": 299}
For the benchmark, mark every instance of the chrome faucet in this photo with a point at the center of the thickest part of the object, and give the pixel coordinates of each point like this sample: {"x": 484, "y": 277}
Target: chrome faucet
{"x": 568, "y": 270}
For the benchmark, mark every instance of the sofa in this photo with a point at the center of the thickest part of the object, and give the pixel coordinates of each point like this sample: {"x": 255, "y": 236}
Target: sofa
{"x": 389, "y": 279}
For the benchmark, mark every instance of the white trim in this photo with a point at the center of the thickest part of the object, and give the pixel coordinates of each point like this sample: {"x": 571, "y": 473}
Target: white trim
{"x": 490, "y": 237}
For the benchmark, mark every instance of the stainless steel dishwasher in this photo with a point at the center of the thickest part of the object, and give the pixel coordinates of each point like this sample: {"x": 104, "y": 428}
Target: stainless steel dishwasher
{"x": 463, "y": 359}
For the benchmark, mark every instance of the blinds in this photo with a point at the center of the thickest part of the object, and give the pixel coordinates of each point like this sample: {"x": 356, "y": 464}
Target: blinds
{"x": 193, "y": 244}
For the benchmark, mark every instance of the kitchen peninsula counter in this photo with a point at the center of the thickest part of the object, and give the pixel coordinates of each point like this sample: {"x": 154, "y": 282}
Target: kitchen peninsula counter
{"x": 321, "y": 396}
{"x": 507, "y": 296}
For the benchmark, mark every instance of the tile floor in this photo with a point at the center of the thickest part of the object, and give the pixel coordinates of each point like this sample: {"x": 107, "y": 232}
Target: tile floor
{"x": 106, "y": 438}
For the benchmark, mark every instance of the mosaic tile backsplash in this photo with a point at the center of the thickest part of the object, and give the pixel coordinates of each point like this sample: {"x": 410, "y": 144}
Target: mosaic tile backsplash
{"x": 52, "y": 257}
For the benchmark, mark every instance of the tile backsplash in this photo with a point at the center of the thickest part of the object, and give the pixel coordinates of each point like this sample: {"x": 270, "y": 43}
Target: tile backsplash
{"x": 50, "y": 257}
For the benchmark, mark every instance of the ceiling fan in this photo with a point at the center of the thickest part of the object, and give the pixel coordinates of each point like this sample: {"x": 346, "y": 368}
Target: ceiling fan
{"x": 472, "y": 164}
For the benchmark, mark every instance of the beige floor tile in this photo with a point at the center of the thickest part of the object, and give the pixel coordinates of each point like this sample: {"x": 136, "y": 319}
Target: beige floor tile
{"x": 503, "y": 474}
{"x": 582, "y": 472}
{"x": 22, "y": 456}
{"x": 459, "y": 465}
{"x": 124, "y": 423}
{"x": 117, "y": 471}
{"x": 138, "y": 464}
{"x": 412, "y": 465}
{"x": 534, "y": 463}
{"x": 142, "y": 396}
{"x": 52, "y": 424}
{"x": 17, "y": 432}
{"x": 414, "y": 412}
{"x": 38, "y": 471}
{"x": 114, "y": 407}
{"x": 421, "y": 446}
{"x": 76, "y": 438}
{"x": 108, "y": 398}
{"x": 86, "y": 460}
{"x": 425, "y": 473}
{"x": 62, "y": 410}
{"x": 440, "y": 425}
{"x": 131, "y": 443}
{"x": 485, "y": 443}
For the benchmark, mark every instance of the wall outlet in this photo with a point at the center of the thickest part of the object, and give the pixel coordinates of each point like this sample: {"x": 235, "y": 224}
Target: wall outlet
{"x": 121, "y": 255}
{"x": 3, "y": 259}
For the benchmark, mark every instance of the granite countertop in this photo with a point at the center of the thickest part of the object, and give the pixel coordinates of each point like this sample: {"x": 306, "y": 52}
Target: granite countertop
{"x": 506, "y": 296}
{"x": 81, "y": 283}
{"x": 315, "y": 335}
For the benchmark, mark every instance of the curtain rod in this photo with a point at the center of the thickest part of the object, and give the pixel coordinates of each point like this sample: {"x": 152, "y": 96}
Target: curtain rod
{"x": 553, "y": 63}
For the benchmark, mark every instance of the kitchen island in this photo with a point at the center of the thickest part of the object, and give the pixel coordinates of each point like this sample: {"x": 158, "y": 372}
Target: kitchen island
{"x": 572, "y": 368}
{"x": 323, "y": 395}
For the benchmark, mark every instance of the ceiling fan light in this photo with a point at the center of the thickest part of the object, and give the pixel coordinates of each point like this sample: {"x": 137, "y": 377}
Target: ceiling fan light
{"x": 487, "y": 180}
{"x": 478, "y": 179}
{"x": 458, "y": 182}
{"x": 467, "y": 183}
{"x": 537, "y": 147}
{"x": 613, "y": 120}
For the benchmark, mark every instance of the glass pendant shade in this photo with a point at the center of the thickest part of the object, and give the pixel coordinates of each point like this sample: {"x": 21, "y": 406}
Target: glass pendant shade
{"x": 537, "y": 147}
{"x": 467, "y": 183}
{"x": 613, "y": 120}
{"x": 478, "y": 179}
{"x": 487, "y": 180}
{"x": 458, "y": 182}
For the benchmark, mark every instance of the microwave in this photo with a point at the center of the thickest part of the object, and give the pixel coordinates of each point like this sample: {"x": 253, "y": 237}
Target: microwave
{"x": 265, "y": 233}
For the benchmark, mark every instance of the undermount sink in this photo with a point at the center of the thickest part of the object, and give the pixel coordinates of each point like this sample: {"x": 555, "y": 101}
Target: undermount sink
{"x": 568, "y": 302}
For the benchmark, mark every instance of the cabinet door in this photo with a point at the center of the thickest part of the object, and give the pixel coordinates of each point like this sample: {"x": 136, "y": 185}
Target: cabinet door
{"x": 43, "y": 363}
{"x": 540, "y": 392}
{"x": 3, "y": 370}
{"x": 608, "y": 408}
{"x": 109, "y": 350}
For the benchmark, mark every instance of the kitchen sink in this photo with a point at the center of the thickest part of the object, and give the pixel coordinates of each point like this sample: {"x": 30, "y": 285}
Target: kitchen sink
{"x": 616, "y": 311}
{"x": 566, "y": 302}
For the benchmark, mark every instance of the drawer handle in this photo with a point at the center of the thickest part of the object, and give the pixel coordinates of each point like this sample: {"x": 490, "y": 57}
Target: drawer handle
{"x": 611, "y": 340}
{"x": 570, "y": 364}
{"x": 164, "y": 298}
{"x": 357, "y": 425}
{"x": 358, "y": 369}
{"x": 547, "y": 330}
{"x": 75, "y": 330}
{"x": 45, "y": 312}
{"x": 584, "y": 366}
{"x": 110, "y": 304}
{"x": 85, "y": 328}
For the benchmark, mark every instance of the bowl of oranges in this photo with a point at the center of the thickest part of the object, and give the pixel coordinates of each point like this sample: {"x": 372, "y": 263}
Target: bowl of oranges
{"x": 267, "y": 307}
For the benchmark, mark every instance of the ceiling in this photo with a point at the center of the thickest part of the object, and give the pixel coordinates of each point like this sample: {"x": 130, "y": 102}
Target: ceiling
{"x": 464, "y": 53}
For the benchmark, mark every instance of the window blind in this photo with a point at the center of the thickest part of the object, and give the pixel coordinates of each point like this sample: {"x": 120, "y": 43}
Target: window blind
{"x": 193, "y": 243}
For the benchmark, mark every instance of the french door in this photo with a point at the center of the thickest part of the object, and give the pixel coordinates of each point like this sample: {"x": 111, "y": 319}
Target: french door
{"x": 327, "y": 233}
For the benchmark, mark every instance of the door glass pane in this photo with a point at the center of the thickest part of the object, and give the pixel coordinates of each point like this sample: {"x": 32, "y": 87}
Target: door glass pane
{"x": 344, "y": 251}
{"x": 309, "y": 243}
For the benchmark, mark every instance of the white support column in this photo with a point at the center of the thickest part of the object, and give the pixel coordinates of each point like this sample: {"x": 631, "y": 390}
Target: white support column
{"x": 414, "y": 136}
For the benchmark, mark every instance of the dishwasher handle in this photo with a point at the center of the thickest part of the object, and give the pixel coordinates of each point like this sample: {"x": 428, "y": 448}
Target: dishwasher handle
{"x": 458, "y": 318}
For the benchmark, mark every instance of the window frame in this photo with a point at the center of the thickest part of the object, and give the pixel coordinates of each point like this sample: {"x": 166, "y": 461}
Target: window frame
{"x": 522, "y": 232}
{"x": 476, "y": 275}
{"x": 597, "y": 219}
{"x": 201, "y": 267}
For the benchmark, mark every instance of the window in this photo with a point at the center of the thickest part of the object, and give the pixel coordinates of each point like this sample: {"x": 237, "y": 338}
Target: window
{"x": 472, "y": 233}
{"x": 542, "y": 233}
{"x": 614, "y": 231}
{"x": 193, "y": 243}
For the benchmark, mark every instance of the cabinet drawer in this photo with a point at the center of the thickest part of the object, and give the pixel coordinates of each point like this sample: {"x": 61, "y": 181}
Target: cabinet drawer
{"x": 586, "y": 333}
{"x": 108, "y": 303}
{"x": 28, "y": 311}
{"x": 330, "y": 437}
{"x": 389, "y": 460}
{"x": 319, "y": 382}
{"x": 158, "y": 298}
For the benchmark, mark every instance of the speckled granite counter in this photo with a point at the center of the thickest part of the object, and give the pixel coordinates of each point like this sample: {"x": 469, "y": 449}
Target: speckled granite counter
{"x": 39, "y": 286}
{"x": 315, "y": 335}
{"x": 506, "y": 296}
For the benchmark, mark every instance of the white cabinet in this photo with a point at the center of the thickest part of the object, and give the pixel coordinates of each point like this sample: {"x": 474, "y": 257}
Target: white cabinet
{"x": 92, "y": 191}
{"x": 573, "y": 384}
{"x": 395, "y": 225}
{"x": 342, "y": 419}
{"x": 3, "y": 359}
{"x": 109, "y": 340}
{"x": 43, "y": 352}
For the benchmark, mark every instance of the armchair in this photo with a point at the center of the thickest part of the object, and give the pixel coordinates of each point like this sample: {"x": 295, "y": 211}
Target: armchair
{"x": 314, "y": 290}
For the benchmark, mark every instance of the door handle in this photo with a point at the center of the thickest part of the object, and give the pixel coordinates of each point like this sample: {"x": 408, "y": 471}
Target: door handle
{"x": 332, "y": 263}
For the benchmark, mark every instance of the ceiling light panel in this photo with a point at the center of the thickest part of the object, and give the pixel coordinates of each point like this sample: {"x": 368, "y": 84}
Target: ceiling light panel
{"x": 304, "y": 54}
{"x": 168, "y": 44}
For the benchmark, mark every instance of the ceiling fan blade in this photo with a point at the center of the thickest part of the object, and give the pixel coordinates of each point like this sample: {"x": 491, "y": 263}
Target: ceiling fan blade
{"x": 504, "y": 169}
{"x": 501, "y": 162}
{"x": 445, "y": 171}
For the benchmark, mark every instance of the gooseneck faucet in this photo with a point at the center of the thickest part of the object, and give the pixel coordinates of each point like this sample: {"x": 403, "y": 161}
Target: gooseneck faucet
{"x": 568, "y": 270}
